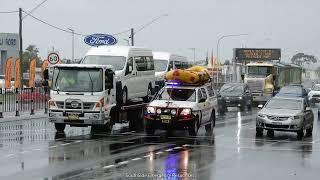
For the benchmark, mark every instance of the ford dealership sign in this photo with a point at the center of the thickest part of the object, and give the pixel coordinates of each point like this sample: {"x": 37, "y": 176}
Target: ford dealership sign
{"x": 100, "y": 40}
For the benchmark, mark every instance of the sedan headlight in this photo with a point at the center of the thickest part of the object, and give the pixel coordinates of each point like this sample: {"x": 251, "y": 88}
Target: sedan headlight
{"x": 261, "y": 115}
{"x": 150, "y": 110}
{"x": 158, "y": 111}
{"x": 240, "y": 97}
{"x": 295, "y": 117}
{"x": 173, "y": 112}
{"x": 185, "y": 112}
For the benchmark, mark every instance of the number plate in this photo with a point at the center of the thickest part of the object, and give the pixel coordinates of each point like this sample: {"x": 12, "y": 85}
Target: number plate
{"x": 166, "y": 121}
{"x": 165, "y": 117}
{"x": 73, "y": 117}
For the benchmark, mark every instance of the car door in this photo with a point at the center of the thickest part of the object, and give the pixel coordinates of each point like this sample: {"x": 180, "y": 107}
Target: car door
{"x": 207, "y": 106}
{"x": 130, "y": 77}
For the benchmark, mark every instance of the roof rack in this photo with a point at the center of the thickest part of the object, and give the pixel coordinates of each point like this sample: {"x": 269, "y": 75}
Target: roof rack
{"x": 180, "y": 83}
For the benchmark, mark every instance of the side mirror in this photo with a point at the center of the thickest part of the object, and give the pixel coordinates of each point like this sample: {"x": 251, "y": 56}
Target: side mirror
{"x": 202, "y": 100}
{"x": 260, "y": 106}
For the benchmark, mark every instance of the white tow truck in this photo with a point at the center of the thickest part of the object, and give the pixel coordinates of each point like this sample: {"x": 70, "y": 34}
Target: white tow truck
{"x": 85, "y": 95}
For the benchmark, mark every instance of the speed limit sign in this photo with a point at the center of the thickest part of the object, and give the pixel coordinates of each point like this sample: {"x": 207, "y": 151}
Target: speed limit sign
{"x": 53, "y": 58}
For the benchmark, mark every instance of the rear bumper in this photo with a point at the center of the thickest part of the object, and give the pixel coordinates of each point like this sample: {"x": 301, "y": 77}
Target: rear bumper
{"x": 153, "y": 121}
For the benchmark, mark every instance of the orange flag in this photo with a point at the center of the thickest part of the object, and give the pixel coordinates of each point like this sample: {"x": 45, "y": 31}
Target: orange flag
{"x": 32, "y": 72}
{"x": 44, "y": 67}
{"x": 8, "y": 72}
{"x": 17, "y": 74}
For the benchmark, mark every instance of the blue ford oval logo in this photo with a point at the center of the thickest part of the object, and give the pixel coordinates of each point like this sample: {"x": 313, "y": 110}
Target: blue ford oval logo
{"x": 100, "y": 40}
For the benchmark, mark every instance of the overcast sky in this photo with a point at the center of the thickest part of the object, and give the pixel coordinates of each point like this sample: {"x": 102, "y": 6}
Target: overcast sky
{"x": 291, "y": 25}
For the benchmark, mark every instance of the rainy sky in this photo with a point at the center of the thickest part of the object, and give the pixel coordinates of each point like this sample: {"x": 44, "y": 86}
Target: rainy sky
{"x": 287, "y": 24}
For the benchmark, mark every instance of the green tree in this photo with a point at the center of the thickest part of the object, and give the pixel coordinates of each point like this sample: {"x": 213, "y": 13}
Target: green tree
{"x": 301, "y": 59}
{"x": 30, "y": 53}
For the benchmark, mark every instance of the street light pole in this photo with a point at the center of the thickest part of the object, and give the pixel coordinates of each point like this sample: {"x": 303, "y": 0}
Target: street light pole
{"x": 218, "y": 44}
{"x": 72, "y": 31}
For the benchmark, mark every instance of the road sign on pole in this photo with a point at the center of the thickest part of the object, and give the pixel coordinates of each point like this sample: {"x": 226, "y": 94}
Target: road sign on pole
{"x": 53, "y": 58}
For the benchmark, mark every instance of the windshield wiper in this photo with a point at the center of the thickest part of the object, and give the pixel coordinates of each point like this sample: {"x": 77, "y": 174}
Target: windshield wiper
{"x": 55, "y": 83}
{"x": 91, "y": 83}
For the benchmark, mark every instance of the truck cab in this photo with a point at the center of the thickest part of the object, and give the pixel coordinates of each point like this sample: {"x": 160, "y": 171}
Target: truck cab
{"x": 82, "y": 95}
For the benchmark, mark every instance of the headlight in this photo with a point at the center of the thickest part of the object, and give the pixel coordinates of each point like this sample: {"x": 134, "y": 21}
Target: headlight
{"x": 158, "y": 111}
{"x": 173, "y": 112}
{"x": 150, "y": 110}
{"x": 261, "y": 115}
{"x": 295, "y": 117}
{"x": 185, "y": 112}
{"x": 240, "y": 97}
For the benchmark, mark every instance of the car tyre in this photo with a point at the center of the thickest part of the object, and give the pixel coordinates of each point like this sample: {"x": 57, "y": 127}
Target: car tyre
{"x": 309, "y": 131}
{"x": 209, "y": 127}
{"x": 270, "y": 133}
{"x": 60, "y": 127}
{"x": 300, "y": 134}
{"x": 194, "y": 127}
{"x": 249, "y": 106}
{"x": 259, "y": 132}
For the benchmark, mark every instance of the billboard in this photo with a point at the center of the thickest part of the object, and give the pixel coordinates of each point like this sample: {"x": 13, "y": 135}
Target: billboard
{"x": 242, "y": 54}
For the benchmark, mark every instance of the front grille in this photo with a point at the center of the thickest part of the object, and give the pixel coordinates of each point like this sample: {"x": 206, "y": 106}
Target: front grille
{"x": 316, "y": 95}
{"x": 278, "y": 118}
{"x": 255, "y": 86}
{"x": 86, "y": 105}
{"x": 277, "y": 126}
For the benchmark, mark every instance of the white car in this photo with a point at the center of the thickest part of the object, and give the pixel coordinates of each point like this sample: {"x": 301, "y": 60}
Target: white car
{"x": 314, "y": 94}
{"x": 182, "y": 107}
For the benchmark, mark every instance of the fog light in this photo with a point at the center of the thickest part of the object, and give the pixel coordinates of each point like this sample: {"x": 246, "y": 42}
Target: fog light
{"x": 173, "y": 112}
{"x": 158, "y": 111}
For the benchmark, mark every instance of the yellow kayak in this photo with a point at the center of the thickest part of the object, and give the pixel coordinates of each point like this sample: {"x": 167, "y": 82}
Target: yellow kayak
{"x": 193, "y": 75}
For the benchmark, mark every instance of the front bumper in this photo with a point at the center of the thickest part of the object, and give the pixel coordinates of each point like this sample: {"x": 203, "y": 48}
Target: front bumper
{"x": 287, "y": 125}
{"x": 176, "y": 122}
{"x": 86, "y": 118}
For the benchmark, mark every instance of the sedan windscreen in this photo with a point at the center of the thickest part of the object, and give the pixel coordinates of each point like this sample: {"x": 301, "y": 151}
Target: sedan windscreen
{"x": 291, "y": 90}
{"x": 178, "y": 94}
{"x": 291, "y": 104}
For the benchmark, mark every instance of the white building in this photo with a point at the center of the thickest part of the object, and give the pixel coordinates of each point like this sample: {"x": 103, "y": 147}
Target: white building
{"x": 9, "y": 47}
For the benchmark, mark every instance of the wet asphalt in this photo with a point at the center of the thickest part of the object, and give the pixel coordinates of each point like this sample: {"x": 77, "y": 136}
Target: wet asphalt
{"x": 31, "y": 149}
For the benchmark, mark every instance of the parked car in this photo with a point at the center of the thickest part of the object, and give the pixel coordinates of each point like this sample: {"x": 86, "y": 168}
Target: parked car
{"x": 291, "y": 114}
{"x": 237, "y": 95}
{"x": 314, "y": 94}
{"x": 182, "y": 107}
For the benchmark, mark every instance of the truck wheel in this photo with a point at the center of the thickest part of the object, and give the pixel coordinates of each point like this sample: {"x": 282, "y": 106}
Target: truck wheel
{"x": 149, "y": 95}
{"x": 209, "y": 127}
{"x": 194, "y": 127}
{"x": 59, "y": 126}
{"x": 309, "y": 131}
{"x": 270, "y": 133}
{"x": 259, "y": 132}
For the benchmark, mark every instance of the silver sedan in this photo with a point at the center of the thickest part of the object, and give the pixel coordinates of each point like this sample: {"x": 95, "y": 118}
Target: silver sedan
{"x": 285, "y": 114}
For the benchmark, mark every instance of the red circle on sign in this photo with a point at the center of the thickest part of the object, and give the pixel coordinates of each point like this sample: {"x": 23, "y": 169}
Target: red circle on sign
{"x": 55, "y": 57}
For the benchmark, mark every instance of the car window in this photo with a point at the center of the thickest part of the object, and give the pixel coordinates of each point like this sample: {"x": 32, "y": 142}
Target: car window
{"x": 210, "y": 91}
{"x": 204, "y": 93}
{"x": 199, "y": 95}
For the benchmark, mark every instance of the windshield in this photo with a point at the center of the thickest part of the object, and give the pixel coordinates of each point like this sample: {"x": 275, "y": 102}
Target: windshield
{"x": 291, "y": 90}
{"x": 259, "y": 70}
{"x": 291, "y": 104}
{"x": 178, "y": 94}
{"x": 316, "y": 87}
{"x": 77, "y": 80}
{"x": 160, "y": 65}
{"x": 231, "y": 89}
{"x": 117, "y": 62}
{"x": 181, "y": 65}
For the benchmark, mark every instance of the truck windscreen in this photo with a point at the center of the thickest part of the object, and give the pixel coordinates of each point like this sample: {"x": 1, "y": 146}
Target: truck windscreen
{"x": 77, "y": 80}
{"x": 117, "y": 62}
{"x": 259, "y": 70}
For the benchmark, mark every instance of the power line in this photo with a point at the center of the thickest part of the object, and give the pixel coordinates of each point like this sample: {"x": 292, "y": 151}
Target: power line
{"x": 35, "y": 8}
{"x": 8, "y": 12}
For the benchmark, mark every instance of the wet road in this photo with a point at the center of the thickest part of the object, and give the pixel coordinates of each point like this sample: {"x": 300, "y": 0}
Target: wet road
{"x": 30, "y": 149}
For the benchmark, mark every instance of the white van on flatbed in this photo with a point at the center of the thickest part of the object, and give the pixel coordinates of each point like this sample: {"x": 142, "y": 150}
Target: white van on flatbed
{"x": 134, "y": 69}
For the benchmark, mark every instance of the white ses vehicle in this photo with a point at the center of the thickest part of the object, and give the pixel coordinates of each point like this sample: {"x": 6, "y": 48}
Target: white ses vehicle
{"x": 134, "y": 69}
{"x": 182, "y": 107}
{"x": 314, "y": 94}
{"x": 164, "y": 62}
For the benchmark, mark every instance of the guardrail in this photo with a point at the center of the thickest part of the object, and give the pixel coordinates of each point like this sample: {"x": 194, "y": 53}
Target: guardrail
{"x": 23, "y": 100}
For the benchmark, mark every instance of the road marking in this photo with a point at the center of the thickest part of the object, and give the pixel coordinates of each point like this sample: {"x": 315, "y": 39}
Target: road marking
{"x": 9, "y": 155}
{"x": 109, "y": 166}
{"x": 65, "y": 144}
{"x": 160, "y": 152}
{"x": 135, "y": 159}
{"x": 23, "y": 152}
{"x": 168, "y": 150}
{"x": 52, "y": 146}
{"x": 123, "y": 162}
{"x": 36, "y": 149}
{"x": 177, "y": 147}
{"x": 77, "y": 141}
{"x": 120, "y": 142}
{"x": 146, "y": 156}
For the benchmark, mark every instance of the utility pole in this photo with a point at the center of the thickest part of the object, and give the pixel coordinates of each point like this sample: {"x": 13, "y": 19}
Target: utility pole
{"x": 20, "y": 42}
{"x": 132, "y": 37}
{"x": 72, "y": 31}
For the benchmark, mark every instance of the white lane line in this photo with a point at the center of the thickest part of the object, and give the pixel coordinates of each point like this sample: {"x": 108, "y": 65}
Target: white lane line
{"x": 52, "y": 146}
{"x": 160, "y": 152}
{"x": 77, "y": 141}
{"x": 168, "y": 150}
{"x": 123, "y": 162}
{"x": 135, "y": 159}
{"x": 65, "y": 144}
{"x": 109, "y": 166}
{"x": 146, "y": 156}
{"x": 36, "y": 149}
{"x": 218, "y": 136}
{"x": 9, "y": 155}
{"x": 177, "y": 147}
{"x": 23, "y": 152}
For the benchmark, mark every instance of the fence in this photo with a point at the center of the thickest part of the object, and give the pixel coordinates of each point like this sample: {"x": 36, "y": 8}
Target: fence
{"x": 23, "y": 100}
